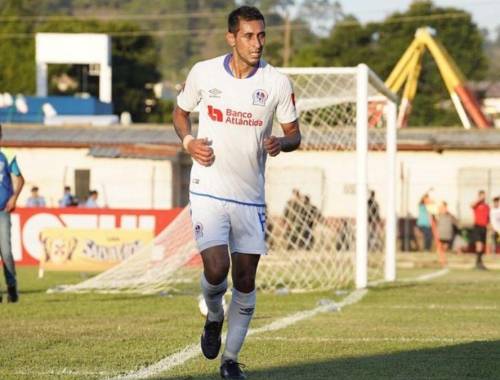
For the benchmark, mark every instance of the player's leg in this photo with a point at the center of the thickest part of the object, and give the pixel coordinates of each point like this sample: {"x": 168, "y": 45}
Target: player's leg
{"x": 247, "y": 243}
{"x": 213, "y": 287}
{"x": 7, "y": 258}
{"x": 241, "y": 310}
{"x": 211, "y": 230}
{"x": 480, "y": 246}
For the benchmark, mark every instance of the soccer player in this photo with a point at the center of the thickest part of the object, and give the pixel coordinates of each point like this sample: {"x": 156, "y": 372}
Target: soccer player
{"x": 238, "y": 95}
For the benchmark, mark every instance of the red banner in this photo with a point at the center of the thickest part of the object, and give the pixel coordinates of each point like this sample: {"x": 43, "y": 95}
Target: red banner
{"x": 28, "y": 223}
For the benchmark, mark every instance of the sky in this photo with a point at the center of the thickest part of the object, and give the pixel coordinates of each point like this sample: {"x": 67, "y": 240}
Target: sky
{"x": 486, "y": 13}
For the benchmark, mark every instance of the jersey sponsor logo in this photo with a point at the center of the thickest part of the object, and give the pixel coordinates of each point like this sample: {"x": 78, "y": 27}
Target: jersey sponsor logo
{"x": 215, "y": 114}
{"x": 259, "y": 97}
{"x": 234, "y": 117}
{"x": 214, "y": 93}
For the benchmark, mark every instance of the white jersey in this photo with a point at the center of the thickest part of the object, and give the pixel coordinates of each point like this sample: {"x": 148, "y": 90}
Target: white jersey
{"x": 235, "y": 115}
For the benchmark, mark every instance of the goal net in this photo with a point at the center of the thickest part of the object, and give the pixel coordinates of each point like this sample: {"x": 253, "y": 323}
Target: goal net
{"x": 324, "y": 230}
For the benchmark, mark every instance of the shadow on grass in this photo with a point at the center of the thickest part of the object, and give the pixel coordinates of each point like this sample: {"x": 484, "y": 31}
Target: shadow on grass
{"x": 476, "y": 360}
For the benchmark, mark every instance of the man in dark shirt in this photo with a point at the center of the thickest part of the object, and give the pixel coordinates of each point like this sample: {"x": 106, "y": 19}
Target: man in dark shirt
{"x": 481, "y": 221}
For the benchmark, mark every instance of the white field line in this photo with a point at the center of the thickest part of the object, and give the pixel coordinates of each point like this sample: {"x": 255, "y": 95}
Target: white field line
{"x": 361, "y": 340}
{"x": 433, "y": 307}
{"x": 193, "y": 350}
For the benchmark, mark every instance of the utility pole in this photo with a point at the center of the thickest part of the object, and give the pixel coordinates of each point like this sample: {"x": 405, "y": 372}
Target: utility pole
{"x": 287, "y": 37}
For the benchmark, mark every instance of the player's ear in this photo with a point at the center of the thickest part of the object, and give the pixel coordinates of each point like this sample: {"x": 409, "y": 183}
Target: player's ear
{"x": 231, "y": 39}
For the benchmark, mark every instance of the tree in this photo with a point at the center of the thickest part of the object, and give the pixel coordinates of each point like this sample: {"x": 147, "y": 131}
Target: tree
{"x": 17, "y": 53}
{"x": 380, "y": 45}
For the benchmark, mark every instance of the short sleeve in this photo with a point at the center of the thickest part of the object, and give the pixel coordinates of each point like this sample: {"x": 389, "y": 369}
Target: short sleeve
{"x": 286, "y": 111}
{"x": 190, "y": 96}
{"x": 14, "y": 167}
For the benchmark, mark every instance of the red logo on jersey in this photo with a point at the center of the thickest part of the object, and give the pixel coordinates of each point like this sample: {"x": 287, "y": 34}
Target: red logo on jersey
{"x": 215, "y": 114}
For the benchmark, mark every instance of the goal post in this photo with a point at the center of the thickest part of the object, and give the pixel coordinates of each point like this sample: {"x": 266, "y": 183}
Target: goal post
{"x": 324, "y": 230}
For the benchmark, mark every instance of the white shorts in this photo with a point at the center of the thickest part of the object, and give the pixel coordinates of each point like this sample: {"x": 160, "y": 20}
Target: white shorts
{"x": 220, "y": 222}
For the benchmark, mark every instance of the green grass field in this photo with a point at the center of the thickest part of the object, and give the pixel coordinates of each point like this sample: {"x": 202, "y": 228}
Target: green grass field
{"x": 445, "y": 328}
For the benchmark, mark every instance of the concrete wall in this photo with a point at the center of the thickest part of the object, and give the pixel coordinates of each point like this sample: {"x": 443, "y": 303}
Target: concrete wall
{"x": 122, "y": 183}
{"x": 329, "y": 178}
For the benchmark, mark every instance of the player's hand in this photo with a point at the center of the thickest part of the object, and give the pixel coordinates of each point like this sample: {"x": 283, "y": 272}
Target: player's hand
{"x": 11, "y": 204}
{"x": 201, "y": 151}
{"x": 272, "y": 145}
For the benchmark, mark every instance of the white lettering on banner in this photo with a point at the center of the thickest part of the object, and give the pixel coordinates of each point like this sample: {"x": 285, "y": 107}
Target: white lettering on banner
{"x": 147, "y": 222}
{"x": 107, "y": 221}
{"x": 32, "y": 229}
{"x": 15, "y": 237}
{"x": 129, "y": 222}
{"x": 80, "y": 221}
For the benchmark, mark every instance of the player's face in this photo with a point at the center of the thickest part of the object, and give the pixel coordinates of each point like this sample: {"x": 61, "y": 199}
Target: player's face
{"x": 249, "y": 41}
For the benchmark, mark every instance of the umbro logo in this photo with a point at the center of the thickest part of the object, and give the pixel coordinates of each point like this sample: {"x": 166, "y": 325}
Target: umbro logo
{"x": 214, "y": 93}
{"x": 246, "y": 310}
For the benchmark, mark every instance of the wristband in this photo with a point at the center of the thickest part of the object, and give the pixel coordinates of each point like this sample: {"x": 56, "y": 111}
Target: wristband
{"x": 186, "y": 140}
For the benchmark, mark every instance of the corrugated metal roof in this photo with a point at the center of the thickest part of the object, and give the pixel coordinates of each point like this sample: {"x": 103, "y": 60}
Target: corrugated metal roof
{"x": 86, "y": 136}
{"x": 156, "y": 141}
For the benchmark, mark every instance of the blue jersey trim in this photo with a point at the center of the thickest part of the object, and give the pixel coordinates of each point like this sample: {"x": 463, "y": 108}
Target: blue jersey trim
{"x": 227, "y": 200}
{"x": 227, "y": 59}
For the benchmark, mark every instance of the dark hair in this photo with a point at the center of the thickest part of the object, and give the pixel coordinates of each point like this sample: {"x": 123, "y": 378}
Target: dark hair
{"x": 34, "y": 188}
{"x": 67, "y": 188}
{"x": 496, "y": 199}
{"x": 244, "y": 12}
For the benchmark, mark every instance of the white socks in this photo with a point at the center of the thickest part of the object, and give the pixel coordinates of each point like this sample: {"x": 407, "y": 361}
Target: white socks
{"x": 239, "y": 317}
{"x": 213, "y": 298}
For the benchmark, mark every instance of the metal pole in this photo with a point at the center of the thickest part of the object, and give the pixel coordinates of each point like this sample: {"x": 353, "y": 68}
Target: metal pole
{"x": 390, "y": 228}
{"x": 361, "y": 176}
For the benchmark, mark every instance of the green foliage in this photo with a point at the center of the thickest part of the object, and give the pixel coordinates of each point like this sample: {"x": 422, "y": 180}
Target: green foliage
{"x": 381, "y": 45}
{"x": 17, "y": 55}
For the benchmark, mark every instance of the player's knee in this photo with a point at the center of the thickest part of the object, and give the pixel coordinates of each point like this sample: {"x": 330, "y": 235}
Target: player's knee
{"x": 216, "y": 274}
{"x": 244, "y": 282}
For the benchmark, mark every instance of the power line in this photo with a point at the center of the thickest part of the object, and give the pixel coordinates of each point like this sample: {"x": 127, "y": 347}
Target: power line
{"x": 295, "y": 26}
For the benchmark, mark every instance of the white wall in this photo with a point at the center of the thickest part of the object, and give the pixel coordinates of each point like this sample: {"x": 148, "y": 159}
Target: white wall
{"x": 335, "y": 192}
{"x": 126, "y": 183}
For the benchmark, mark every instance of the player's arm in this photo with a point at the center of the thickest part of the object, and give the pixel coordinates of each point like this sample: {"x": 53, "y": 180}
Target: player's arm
{"x": 288, "y": 143}
{"x": 199, "y": 149}
{"x": 17, "y": 184}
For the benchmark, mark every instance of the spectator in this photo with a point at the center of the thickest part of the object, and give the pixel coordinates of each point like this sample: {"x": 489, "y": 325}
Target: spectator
{"x": 446, "y": 225}
{"x": 36, "y": 200}
{"x": 310, "y": 216}
{"x": 481, "y": 221}
{"x": 373, "y": 221}
{"x": 495, "y": 216}
{"x": 68, "y": 199}
{"x": 11, "y": 184}
{"x": 293, "y": 214}
{"x": 424, "y": 221}
{"x": 92, "y": 200}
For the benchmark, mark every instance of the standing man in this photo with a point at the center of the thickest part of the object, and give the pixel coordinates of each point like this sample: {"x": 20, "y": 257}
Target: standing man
{"x": 481, "y": 221}
{"x": 238, "y": 95}
{"x": 11, "y": 184}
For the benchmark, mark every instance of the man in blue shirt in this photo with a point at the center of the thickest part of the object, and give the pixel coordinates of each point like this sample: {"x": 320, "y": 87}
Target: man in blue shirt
{"x": 36, "y": 200}
{"x": 11, "y": 184}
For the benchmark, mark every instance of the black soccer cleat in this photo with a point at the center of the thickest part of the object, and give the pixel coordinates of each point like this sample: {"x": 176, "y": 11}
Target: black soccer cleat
{"x": 12, "y": 295}
{"x": 232, "y": 370}
{"x": 210, "y": 339}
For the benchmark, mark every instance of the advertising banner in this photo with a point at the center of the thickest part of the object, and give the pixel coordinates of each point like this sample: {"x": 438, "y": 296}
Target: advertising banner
{"x": 86, "y": 250}
{"x": 28, "y": 225}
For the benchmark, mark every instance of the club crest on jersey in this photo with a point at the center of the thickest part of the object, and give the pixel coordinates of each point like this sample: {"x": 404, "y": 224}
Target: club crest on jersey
{"x": 198, "y": 230}
{"x": 259, "y": 98}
